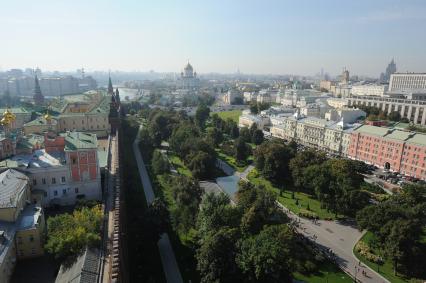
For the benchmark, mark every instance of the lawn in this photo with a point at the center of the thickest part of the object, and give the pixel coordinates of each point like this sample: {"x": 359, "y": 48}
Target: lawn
{"x": 328, "y": 272}
{"x": 179, "y": 166}
{"x": 286, "y": 199}
{"x": 233, "y": 114}
{"x": 386, "y": 270}
{"x": 231, "y": 161}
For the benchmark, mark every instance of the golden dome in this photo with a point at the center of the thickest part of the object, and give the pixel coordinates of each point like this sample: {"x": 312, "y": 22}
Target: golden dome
{"x": 47, "y": 116}
{"x": 9, "y": 116}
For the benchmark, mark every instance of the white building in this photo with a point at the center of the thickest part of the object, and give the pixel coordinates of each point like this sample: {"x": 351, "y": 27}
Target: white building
{"x": 249, "y": 96}
{"x": 408, "y": 82}
{"x": 349, "y": 115}
{"x": 188, "y": 78}
{"x": 369, "y": 90}
{"x": 332, "y": 137}
{"x": 247, "y": 120}
{"x": 337, "y": 102}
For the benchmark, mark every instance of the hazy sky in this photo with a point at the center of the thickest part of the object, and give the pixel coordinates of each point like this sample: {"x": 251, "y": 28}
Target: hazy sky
{"x": 281, "y": 37}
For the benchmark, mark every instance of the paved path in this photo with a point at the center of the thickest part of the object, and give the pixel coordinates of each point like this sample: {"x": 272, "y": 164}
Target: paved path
{"x": 340, "y": 238}
{"x": 168, "y": 259}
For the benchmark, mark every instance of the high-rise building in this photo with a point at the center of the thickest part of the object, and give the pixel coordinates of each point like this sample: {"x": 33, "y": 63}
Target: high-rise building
{"x": 390, "y": 69}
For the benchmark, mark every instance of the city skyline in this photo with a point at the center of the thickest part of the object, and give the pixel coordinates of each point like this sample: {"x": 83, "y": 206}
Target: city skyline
{"x": 216, "y": 36}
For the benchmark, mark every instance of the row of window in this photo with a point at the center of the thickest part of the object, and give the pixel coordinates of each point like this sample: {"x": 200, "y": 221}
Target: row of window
{"x": 53, "y": 181}
{"x": 64, "y": 192}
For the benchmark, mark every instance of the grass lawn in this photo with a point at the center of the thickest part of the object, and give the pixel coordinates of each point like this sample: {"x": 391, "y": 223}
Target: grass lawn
{"x": 286, "y": 198}
{"x": 231, "y": 161}
{"x": 233, "y": 114}
{"x": 328, "y": 272}
{"x": 386, "y": 270}
{"x": 179, "y": 166}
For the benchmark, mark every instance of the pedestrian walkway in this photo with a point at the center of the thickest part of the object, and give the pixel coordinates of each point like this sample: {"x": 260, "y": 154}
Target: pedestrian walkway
{"x": 168, "y": 259}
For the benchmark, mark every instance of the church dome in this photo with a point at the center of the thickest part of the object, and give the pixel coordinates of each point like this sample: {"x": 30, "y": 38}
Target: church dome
{"x": 188, "y": 67}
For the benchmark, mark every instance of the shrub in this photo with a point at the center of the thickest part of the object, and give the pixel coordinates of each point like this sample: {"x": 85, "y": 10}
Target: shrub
{"x": 363, "y": 249}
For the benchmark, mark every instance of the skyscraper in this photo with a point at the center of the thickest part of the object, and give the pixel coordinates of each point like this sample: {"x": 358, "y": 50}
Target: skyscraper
{"x": 390, "y": 69}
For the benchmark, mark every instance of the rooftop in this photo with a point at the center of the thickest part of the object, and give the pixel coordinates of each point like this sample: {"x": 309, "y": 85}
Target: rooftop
{"x": 39, "y": 159}
{"x": 84, "y": 269}
{"x": 78, "y": 140}
{"x": 394, "y": 134}
{"x": 12, "y": 186}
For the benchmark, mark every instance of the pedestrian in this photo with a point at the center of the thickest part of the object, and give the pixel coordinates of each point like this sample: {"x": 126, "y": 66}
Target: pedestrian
{"x": 359, "y": 263}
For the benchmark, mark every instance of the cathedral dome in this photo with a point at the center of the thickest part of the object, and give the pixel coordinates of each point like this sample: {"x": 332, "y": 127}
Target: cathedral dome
{"x": 188, "y": 67}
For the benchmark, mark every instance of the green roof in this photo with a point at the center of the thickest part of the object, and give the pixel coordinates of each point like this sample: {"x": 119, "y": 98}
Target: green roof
{"x": 418, "y": 138}
{"x": 79, "y": 140}
{"x": 372, "y": 130}
{"x": 394, "y": 134}
{"x": 103, "y": 158}
{"x": 16, "y": 110}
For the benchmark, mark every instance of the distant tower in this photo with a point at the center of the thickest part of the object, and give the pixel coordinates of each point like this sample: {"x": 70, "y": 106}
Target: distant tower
{"x": 110, "y": 88}
{"x": 390, "y": 69}
{"x": 345, "y": 76}
{"x": 38, "y": 96}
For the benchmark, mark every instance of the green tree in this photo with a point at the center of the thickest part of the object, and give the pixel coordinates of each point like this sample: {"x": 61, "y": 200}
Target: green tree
{"x": 301, "y": 161}
{"x": 69, "y": 234}
{"x": 156, "y": 221}
{"x": 245, "y": 134}
{"x": 394, "y": 116}
{"x": 201, "y": 164}
{"x": 215, "y": 212}
{"x": 272, "y": 160}
{"x": 242, "y": 150}
{"x": 267, "y": 256}
{"x": 257, "y": 137}
{"x": 201, "y": 115}
{"x": 216, "y": 256}
{"x": 187, "y": 194}
{"x": 214, "y": 135}
{"x": 160, "y": 164}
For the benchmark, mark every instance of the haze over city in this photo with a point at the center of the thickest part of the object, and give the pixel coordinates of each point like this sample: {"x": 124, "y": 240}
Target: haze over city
{"x": 263, "y": 37}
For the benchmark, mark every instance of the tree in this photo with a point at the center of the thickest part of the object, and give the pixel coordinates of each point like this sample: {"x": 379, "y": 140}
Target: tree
{"x": 201, "y": 164}
{"x": 155, "y": 220}
{"x": 215, "y": 212}
{"x": 201, "y": 115}
{"x": 266, "y": 257}
{"x": 257, "y": 137}
{"x": 301, "y": 161}
{"x": 187, "y": 194}
{"x": 253, "y": 107}
{"x": 245, "y": 135}
{"x": 216, "y": 256}
{"x": 214, "y": 135}
{"x": 394, "y": 116}
{"x": 185, "y": 131}
{"x": 69, "y": 234}
{"x": 159, "y": 163}
{"x": 242, "y": 150}
{"x": 272, "y": 159}
{"x": 146, "y": 144}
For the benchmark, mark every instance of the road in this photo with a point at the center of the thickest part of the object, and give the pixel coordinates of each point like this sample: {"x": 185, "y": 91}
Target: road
{"x": 340, "y": 238}
{"x": 337, "y": 236}
{"x": 168, "y": 259}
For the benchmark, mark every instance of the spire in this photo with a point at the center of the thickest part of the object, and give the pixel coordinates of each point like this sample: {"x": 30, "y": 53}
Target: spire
{"x": 38, "y": 96}
{"x": 110, "y": 89}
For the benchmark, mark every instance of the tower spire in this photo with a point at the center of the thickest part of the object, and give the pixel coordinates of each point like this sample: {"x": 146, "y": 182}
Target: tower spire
{"x": 38, "y": 96}
{"x": 110, "y": 88}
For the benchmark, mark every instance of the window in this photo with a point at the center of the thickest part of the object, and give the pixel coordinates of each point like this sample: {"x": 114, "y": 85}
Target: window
{"x": 76, "y": 190}
{"x": 45, "y": 194}
{"x": 43, "y": 181}
{"x": 55, "y": 193}
{"x": 33, "y": 251}
{"x": 64, "y": 191}
{"x": 34, "y": 182}
{"x": 31, "y": 238}
{"x": 73, "y": 160}
{"x": 53, "y": 180}
{"x": 63, "y": 179}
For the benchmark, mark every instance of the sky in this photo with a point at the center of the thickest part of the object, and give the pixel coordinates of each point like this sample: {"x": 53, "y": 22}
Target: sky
{"x": 254, "y": 36}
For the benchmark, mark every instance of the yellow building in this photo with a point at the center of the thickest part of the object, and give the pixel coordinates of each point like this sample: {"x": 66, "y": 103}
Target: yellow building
{"x": 22, "y": 223}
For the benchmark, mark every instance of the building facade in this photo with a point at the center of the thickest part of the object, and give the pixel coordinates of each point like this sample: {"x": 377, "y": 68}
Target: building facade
{"x": 369, "y": 90}
{"x": 413, "y": 110}
{"x": 407, "y": 82}
{"x": 391, "y": 149}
